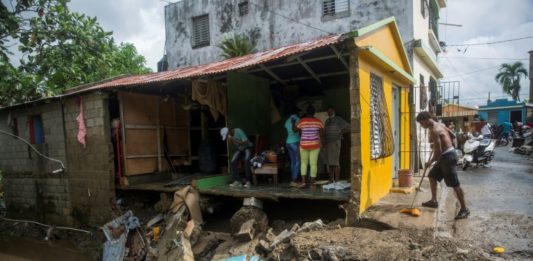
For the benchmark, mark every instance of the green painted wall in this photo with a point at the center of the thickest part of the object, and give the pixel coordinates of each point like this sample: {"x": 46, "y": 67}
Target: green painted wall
{"x": 249, "y": 103}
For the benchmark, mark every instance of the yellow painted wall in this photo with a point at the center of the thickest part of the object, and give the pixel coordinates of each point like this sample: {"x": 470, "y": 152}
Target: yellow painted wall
{"x": 383, "y": 39}
{"x": 376, "y": 179}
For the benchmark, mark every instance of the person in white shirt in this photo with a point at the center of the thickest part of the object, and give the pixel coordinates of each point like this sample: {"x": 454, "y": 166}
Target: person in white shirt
{"x": 485, "y": 130}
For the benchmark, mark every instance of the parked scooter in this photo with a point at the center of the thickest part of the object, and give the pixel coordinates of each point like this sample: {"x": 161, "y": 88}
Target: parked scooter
{"x": 478, "y": 150}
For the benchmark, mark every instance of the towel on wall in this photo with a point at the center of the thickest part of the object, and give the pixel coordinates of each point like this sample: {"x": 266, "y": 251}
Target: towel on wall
{"x": 82, "y": 131}
{"x": 212, "y": 94}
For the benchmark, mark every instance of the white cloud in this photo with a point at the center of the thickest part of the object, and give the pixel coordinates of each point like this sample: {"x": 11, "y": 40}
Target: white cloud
{"x": 140, "y": 22}
{"x": 485, "y": 21}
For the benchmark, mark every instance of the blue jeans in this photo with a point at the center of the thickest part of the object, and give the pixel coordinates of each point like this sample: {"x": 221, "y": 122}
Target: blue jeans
{"x": 246, "y": 153}
{"x": 293, "y": 149}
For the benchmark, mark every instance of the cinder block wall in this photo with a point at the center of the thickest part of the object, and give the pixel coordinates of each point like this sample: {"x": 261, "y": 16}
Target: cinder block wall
{"x": 31, "y": 190}
{"x": 91, "y": 169}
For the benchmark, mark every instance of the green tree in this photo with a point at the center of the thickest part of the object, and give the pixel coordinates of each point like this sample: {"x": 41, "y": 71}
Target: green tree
{"x": 60, "y": 48}
{"x": 236, "y": 46}
{"x": 509, "y": 77}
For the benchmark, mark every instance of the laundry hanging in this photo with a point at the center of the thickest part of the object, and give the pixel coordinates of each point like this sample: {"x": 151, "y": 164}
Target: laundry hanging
{"x": 212, "y": 94}
{"x": 82, "y": 131}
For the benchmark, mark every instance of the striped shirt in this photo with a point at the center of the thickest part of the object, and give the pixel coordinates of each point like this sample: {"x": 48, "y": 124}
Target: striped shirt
{"x": 310, "y": 138}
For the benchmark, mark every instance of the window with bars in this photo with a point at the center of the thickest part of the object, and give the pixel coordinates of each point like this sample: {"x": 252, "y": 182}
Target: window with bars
{"x": 334, "y": 8}
{"x": 243, "y": 8}
{"x": 200, "y": 31}
{"x": 381, "y": 138}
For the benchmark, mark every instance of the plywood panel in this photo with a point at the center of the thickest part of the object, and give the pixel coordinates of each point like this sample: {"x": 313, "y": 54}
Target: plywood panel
{"x": 178, "y": 141}
{"x": 139, "y": 108}
{"x": 141, "y": 142}
{"x": 141, "y": 166}
{"x": 167, "y": 112}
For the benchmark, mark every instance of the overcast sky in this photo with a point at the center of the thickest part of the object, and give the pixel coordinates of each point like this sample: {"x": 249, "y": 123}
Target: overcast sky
{"x": 485, "y": 21}
{"x": 141, "y": 22}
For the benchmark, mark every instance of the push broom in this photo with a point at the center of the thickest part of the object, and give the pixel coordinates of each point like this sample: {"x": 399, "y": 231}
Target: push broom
{"x": 415, "y": 212}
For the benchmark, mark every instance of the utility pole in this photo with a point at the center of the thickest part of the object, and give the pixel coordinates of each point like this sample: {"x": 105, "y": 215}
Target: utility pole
{"x": 531, "y": 76}
{"x": 488, "y": 100}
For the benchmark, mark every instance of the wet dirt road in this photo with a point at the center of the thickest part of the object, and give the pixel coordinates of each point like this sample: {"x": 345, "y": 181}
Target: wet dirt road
{"x": 22, "y": 249}
{"x": 500, "y": 199}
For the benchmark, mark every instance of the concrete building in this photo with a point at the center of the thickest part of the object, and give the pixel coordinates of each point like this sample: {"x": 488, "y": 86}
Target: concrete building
{"x": 501, "y": 110}
{"x": 459, "y": 116}
{"x": 194, "y": 28}
{"x": 33, "y": 188}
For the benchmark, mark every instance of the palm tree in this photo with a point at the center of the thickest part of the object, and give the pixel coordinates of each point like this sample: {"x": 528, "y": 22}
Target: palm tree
{"x": 236, "y": 46}
{"x": 509, "y": 77}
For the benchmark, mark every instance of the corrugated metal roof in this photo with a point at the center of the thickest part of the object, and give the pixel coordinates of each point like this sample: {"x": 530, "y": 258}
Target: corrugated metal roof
{"x": 213, "y": 68}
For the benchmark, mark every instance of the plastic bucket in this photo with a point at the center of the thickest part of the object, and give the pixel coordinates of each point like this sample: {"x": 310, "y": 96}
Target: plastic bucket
{"x": 405, "y": 178}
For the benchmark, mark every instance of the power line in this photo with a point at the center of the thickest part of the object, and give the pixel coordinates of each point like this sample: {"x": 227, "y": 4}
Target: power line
{"x": 486, "y": 58}
{"x": 467, "y": 73}
{"x": 291, "y": 19}
{"x": 456, "y": 71}
{"x": 496, "y": 42}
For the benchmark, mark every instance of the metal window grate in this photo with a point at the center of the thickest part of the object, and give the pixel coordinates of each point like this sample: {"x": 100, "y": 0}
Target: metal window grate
{"x": 381, "y": 138}
{"x": 332, "y": 7}
{"x": 243, "y": 8}
{"x": 200, "y": 31}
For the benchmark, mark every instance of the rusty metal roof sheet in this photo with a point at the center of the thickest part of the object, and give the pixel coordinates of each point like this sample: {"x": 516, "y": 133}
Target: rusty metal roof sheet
{"x": 212, "y": 68}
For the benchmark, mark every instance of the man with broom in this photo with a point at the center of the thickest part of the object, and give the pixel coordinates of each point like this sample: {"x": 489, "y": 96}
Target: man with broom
{"x": 446, "y": 158}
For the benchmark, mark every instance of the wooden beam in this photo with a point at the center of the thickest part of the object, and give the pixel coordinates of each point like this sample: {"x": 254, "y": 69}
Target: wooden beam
{"x": 272, "y": 74}
{"x": 148, "y": 126}
{"x": 123, "y": 134}
{"x": 318, "y": 75}
{"x": 158, "y": 135}
{"x": 341, "y": 57}
{"x": 309, "y": 70}
{"x": 305, "y": 60}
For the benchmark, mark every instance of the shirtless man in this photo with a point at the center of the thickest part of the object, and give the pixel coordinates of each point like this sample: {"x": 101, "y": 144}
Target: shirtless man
{"x": 446, "y": 158}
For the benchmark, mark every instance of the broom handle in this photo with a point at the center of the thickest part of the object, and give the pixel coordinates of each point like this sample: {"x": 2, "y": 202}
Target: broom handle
{"x": 421, "y": 180}
{"x": 425, "y": 170}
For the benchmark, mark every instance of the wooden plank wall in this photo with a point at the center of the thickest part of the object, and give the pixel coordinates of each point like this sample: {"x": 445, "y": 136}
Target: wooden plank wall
{"x": 143, "y": 116}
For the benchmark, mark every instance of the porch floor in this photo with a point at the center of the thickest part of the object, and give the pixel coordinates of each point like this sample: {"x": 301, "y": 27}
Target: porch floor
{"x": 218, "y": 185}
{"x": 282, "y": 190}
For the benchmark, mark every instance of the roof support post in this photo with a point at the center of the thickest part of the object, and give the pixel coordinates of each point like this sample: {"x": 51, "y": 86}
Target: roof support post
{"x": 309, "y": 69}
{"x": 271, "y": 73}
{"x": 339, "y": 55}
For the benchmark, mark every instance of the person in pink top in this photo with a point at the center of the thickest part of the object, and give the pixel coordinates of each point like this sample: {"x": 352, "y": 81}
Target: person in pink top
{"x": 310, "y": 129}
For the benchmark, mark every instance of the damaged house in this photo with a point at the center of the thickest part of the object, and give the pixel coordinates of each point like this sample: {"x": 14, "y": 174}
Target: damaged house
{"x": 160, "y": 131}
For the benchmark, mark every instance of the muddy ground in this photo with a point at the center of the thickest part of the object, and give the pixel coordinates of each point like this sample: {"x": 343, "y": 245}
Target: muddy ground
{"x": 326, "y": 243}
{"x": 500, "y": 199}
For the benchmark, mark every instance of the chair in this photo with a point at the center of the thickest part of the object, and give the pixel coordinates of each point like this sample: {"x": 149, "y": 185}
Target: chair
{"x": 261, "y": 143}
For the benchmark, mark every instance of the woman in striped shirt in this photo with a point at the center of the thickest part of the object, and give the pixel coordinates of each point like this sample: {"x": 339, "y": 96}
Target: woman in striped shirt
{"x": 311, "y": 129}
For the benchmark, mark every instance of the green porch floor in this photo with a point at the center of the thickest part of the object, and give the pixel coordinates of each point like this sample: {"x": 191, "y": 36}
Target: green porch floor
{"x": 219, "y": 186}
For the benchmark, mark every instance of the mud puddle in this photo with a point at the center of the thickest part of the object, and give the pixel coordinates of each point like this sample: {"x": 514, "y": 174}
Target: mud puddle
{"x": 32, "y": 249}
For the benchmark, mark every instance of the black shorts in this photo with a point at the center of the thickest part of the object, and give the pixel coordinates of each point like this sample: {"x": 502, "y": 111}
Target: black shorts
{"x": 446, "y": 168}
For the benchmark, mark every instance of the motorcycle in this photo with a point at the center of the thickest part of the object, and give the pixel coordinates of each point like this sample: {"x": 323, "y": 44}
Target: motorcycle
{"x": 478, "y": 150}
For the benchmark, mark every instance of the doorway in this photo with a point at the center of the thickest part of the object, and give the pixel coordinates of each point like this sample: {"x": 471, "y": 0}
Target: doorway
{"x": 396, "y": 130}
{"x": 516, "y": 116}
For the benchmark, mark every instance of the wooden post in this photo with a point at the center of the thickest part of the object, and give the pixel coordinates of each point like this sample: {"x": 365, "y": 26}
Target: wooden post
{"x": 158, "y": 129}
{"x": 124, "y": 136}
{"x": 351, "y": 208}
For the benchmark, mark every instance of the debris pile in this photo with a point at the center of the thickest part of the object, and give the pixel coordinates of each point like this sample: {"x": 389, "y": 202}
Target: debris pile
{"x": 170, "y": 235}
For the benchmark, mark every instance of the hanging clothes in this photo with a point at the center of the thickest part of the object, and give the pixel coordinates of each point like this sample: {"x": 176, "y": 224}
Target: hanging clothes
{"x": 82, "y": 130}
{"x": 212, "y": 94}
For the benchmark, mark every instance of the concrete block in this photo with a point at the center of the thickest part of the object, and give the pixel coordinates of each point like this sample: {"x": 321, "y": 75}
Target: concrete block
{"x": 246, "y": 232}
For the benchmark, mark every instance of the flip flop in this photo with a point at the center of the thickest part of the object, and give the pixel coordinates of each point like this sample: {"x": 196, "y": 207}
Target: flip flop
{"x": 430, "y": 204}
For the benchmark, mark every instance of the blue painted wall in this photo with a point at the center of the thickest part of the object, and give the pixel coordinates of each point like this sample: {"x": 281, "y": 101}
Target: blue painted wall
{"x": 504, "y": 114}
